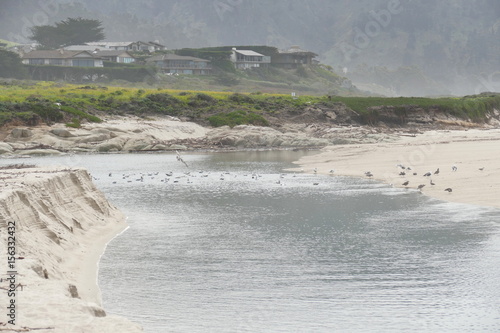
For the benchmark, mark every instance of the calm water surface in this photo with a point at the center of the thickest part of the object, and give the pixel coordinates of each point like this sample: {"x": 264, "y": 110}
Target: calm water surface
{"x": 232, "y": 243}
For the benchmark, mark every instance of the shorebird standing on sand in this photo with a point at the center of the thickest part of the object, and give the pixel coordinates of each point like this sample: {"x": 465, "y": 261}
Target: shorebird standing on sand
{"x": 420, "y": 187}
{"x": 436, "y": 172}
{"x": 448, "y": 189}
{"x": 406, "y": 183}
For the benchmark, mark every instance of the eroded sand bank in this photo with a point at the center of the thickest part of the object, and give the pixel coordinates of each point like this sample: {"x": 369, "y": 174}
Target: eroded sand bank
{"x": 62, "y": 224}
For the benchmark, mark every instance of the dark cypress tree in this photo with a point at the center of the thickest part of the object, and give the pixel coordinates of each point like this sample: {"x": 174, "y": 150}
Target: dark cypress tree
{"x": 72, "y": 31}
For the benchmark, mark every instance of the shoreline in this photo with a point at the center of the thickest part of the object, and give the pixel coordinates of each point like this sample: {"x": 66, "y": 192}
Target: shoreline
{"x": 117, "y": 234}
{"x": 87, "y": 273}
{"x": 476, "y": 180}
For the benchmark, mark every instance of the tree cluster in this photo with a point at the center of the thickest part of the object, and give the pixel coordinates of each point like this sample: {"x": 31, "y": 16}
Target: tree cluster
{"x": 11, "y": 65}
{"x": 72, "y": 31}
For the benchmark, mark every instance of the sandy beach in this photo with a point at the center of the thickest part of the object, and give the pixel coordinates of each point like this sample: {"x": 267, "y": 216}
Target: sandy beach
{"x": 62, "y": 224}
{"x": 474, "y": 153}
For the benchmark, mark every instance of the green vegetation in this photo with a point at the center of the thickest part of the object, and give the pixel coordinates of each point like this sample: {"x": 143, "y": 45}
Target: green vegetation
{"x": 31, "y": 103}
{"x": 473, "y": 107}
{"x": 36, "y": 103}
{"x": 11, "y": 66}
{"x": 8, "y": 43}
{"x": 234, "y": 118}
{"x": 130, "y": 73}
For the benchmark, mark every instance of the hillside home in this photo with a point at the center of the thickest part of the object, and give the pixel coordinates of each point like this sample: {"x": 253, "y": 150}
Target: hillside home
{"x": 119, "y": 56}
{"x": 138, "y": 46}
{"x": 62, "y": 58}
{"x": 176, "y": 64}
{"x": 293, "y": 57}
{"x": 122, "y": 57}
{"x": 245, "y": 59}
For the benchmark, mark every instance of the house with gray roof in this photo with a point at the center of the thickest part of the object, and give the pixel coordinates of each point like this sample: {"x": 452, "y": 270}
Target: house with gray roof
{"x": 106, "y": 54}
{"x": 176, "y": 64}
{"x": 293, "y": 57}
{"x": 246, "y": 59}
{"x": 62, "y": 57}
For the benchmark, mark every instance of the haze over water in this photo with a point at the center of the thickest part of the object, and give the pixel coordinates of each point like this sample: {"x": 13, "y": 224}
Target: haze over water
{"x": 268, "y": 251}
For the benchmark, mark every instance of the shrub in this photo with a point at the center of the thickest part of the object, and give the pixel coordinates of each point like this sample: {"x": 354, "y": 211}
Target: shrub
{"x": 164, "y": 99}
{"x": 80, "y": 114}
{"x": 205, "y": 97}
{"x": 240, "y": 98}
{"x": 74, "y": 124}
{"x": 157, "y": 103}
{"x": 234, "y": 118}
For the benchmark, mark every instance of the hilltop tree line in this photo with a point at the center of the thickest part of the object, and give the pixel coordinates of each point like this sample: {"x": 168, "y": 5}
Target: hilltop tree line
{"x": 72, "y": 31}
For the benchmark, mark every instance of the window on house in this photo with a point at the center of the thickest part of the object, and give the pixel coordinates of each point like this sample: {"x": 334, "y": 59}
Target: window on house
{"x": 37, "y": 61}
{"x": 57, "y": 62}
{"x": 83, "y": 62}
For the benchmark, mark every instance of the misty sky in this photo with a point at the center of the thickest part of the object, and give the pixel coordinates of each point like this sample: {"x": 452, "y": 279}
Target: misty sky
{"x": 451, "y": 44}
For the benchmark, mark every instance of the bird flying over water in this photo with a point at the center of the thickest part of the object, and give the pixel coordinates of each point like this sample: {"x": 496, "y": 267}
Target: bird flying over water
{"x": 179, "y": 158}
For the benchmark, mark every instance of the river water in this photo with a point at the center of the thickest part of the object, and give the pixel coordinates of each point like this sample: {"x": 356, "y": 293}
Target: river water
{"x": 233, "y": 243}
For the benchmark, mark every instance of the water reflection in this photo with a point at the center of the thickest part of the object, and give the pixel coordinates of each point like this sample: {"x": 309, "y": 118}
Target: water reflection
{"x": 249, "y": 254}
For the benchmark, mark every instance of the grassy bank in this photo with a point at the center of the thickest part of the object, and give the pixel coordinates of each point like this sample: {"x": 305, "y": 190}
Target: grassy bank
{"x": 35, "y": 102}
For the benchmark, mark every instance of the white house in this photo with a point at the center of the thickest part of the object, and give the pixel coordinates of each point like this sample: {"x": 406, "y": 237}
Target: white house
{"x": 119, "y": 56}
{"x": 245, "y": 59}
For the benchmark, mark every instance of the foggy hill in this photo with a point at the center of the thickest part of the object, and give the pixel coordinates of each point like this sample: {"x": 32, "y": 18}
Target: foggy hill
{"x": 399, "y": 47}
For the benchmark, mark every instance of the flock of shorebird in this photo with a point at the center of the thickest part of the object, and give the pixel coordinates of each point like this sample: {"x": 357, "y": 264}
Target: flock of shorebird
{"x": 188, "y": 177}
{"x": 404, "y": 171}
